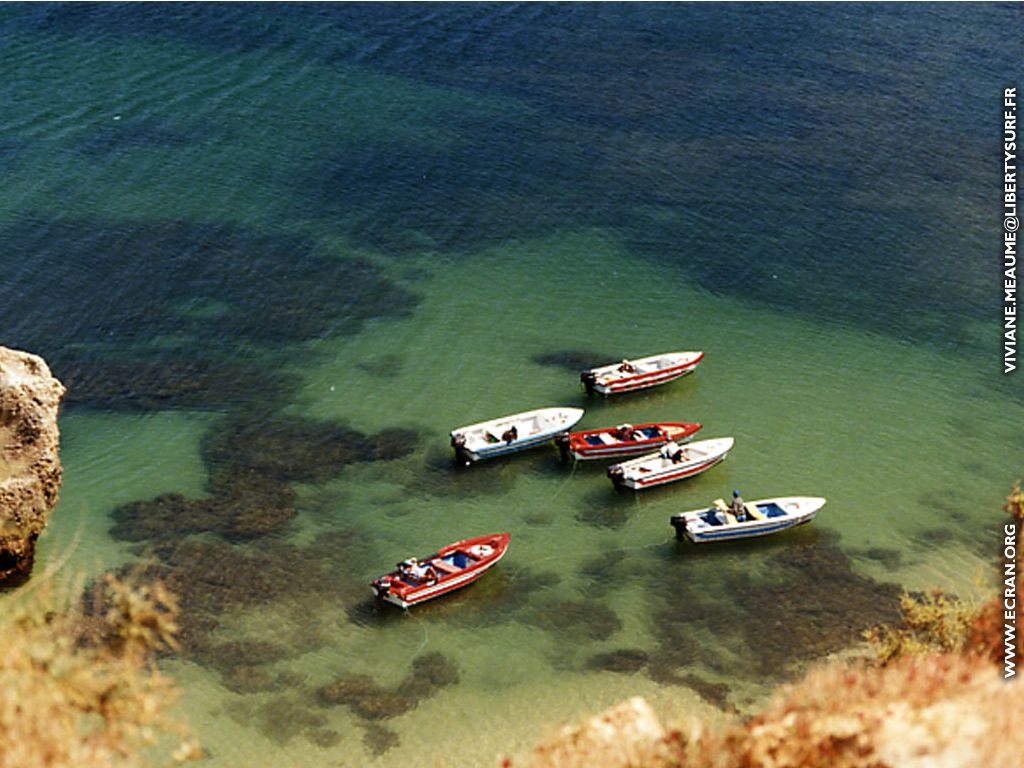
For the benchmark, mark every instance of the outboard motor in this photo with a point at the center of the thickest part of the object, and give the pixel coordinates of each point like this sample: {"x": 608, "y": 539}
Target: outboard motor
{"x": 462, "y": 456}
{"x": 382, "y": 586}
{"x": 562, "y": 441}
{"x": 589, "y": 379}
{"x": 616, "y": 473}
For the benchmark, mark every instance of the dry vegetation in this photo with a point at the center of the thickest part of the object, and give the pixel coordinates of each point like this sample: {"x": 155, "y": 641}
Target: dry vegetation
{"x": 932, "y": 696}
{"x": 78, "y": 684}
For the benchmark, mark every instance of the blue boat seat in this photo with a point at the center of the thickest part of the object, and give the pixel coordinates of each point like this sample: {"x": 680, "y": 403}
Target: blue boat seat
{"x": 458, "y": 559}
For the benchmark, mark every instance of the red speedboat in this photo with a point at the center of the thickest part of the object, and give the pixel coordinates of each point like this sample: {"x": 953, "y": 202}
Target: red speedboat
{"x": 627, "y": 439}
{"x": 415, "y": 581}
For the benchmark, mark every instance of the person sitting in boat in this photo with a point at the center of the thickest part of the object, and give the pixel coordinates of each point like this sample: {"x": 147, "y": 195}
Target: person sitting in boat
{"x": 510, "y": 434}
{"x": 412, "y": 568}
{"x": 672, "y": 452}
{"x": 624, "y": 432}
{"x": 737, "y": 507}
{"x": 626, "y": 367}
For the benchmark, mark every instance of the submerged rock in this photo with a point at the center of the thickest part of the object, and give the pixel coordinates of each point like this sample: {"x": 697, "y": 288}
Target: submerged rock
{"x": 30, "y": 470}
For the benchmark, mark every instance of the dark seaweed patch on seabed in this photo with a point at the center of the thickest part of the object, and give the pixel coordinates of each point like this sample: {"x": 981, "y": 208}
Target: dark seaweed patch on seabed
{"x": 291, "y": 448}
{"x": 485, "y": 189}
{"x": 121, "y": 135}
{"x": 88, "y": 295}
{"x": 169, "y": 379}
{"x": 628, "y": 111}
{"x": 572, "y": 359}
{"x": 213, "y": 578}
{"x": 251, "y": 459}
{"x": 606, "y": 509}
{"x": 811, "y": 604}
{"x": 138, "y": 281}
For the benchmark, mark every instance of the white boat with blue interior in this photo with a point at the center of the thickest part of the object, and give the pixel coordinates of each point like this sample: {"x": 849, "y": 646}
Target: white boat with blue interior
{"x": 758, "y": 518}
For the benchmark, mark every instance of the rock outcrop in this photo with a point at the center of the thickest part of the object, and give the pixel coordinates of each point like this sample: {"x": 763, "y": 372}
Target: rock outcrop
{"x": 30, "y": 470}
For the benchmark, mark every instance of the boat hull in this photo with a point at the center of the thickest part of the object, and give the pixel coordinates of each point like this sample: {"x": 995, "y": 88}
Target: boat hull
{"x": 503, "y": 449}
{"x": 652, "y": 471}
{"x": 777, "y": 515}
{"x": 645, "y": 381}
{"x": 591, "y": 445}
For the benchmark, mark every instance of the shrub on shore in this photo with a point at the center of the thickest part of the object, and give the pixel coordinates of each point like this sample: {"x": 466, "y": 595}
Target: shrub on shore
{"x": 78, "y": 685}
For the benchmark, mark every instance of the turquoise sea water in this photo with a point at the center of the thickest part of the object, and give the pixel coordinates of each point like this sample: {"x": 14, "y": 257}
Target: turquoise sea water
{"x": 277, "y": 252}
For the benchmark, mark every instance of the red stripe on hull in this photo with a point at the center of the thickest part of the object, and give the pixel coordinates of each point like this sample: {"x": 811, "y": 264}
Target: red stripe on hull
{"x": 646, "y": 380}
{"x": 416, "y": 600}
{"x": 677, "y": 475}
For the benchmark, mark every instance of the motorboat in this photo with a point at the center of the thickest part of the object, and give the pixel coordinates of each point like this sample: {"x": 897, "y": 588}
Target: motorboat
{"x": 625, "y": 440}
{"x": 452, "y": 567}
{"x": 672, "y": 462}
{"x": 509, "y": 434}
{"x": 758, "y": 518}
{"x": 631, "y": 375}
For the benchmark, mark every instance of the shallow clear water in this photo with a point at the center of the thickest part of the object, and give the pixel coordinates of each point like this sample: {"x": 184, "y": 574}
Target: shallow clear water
{"x": 224, "y": 226}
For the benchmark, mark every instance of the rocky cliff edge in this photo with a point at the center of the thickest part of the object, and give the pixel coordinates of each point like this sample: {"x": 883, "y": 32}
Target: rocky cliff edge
{"x": 30, "y": 471}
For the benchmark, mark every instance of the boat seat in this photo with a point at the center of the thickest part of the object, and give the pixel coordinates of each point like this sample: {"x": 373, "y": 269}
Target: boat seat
{"x": 442, "y": 567}
{"x": 753, "y": 511}
{"x": 730, "y": 518}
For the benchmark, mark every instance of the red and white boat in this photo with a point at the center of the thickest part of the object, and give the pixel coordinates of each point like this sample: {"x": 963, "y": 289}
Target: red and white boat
{"x": 626, "y": 439}
{"x": 415, "y": 581}
{"x": 630, "y": 375}
{"x": 672, "y": 462}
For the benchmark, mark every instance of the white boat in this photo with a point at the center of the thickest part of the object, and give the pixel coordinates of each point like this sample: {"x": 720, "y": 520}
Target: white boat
{"x": 631, "y": 375}
{"x": 509, "y": 434}
{"x": 760, "y": 518}
{"x": 673, "y": 462}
